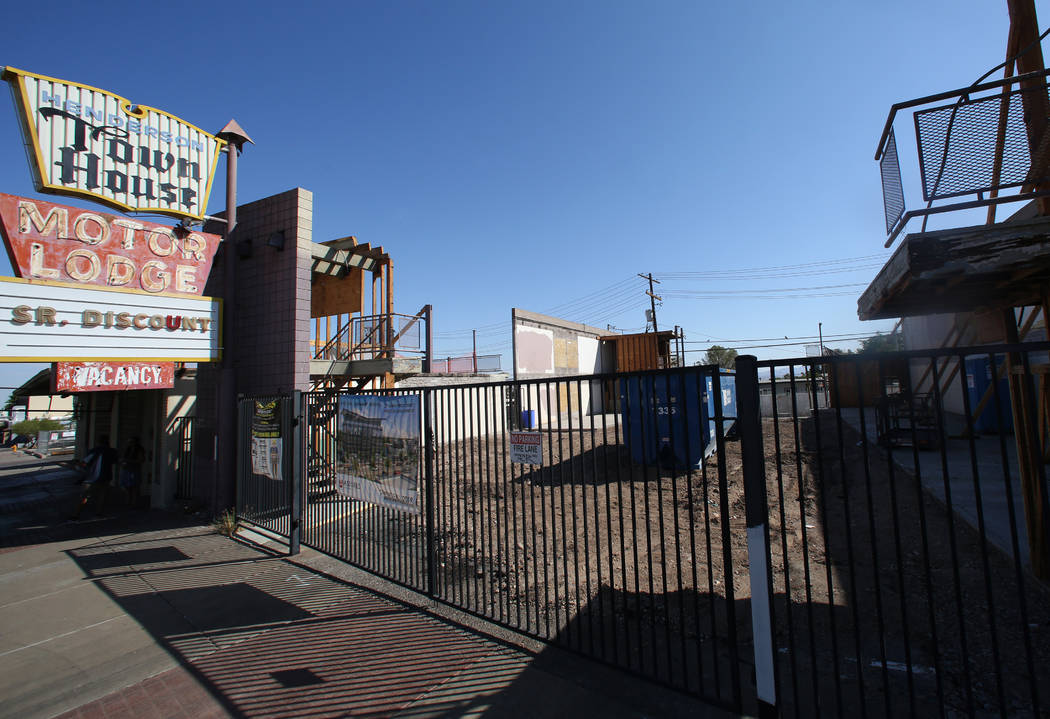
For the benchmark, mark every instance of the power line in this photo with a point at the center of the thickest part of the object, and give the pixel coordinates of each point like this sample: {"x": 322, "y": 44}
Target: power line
{"x": 784, "y": 344}
{"x": 804, "y": 267}
{"x": 843, "y": 335}
{"x": 688, "y": 293}
{"x": 606, "y": 303}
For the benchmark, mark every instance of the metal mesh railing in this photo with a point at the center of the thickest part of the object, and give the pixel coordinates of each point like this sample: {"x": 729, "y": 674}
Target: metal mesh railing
{"x": 981, "y": 145}
{"x": 958, "y": 145}
{"x": 892, "y": 188}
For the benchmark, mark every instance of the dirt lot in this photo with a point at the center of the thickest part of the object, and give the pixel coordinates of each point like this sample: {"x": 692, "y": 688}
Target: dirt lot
{"x": 647, "y": 568}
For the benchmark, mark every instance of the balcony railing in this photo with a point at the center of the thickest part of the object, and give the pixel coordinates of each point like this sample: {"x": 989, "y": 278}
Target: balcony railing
{"x": 470, "y": 364}
{"x": 974, "y": 143}
{"x": 377, "y": 336}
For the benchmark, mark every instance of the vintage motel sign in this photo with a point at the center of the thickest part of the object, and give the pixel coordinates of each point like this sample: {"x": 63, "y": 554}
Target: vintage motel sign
{"x": 46, "y": 241}
{"x": 88, "y": 142}
{"x": 69, "y": 377}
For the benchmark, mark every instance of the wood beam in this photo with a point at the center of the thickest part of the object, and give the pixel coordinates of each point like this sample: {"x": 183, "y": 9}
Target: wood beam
{"x": 1024, "y": 34}
{"x": 1029, "y": 458}
{"x": 390, "y": 305}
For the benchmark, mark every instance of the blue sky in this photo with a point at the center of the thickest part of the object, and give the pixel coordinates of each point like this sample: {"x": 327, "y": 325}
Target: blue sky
{"x": 542, "y": 154}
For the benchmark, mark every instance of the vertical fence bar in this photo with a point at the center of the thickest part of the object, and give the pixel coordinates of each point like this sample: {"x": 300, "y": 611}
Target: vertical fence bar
{"x": 696, "y": 397}
{"x": 957, "y": 579}
{"x": 727, "y": 544}
{"x": 836, "y": 371}
{"x": 898, "y": 559}
{"x": 428, "y": 478}
{"x": 807, "y": 575}
{"x": 752, "y": 455}
{"x": 982, "y": 530}
{"x": 712, "y": 597}
{"x": 822, "y": 512}
{"x": 782, "y": 507}
{"x": 505, "y": 499}
{"x": 297, "y": 427}
{"x": 1015, "y": 545}
{"x": 927, "y": 573}
{"x": 880, "y": 612}
{"x": 242, "y": 483}
{"x": 548, "y": 539}
{"x": 669, "y": 463}
{"x": 680, "y": 590}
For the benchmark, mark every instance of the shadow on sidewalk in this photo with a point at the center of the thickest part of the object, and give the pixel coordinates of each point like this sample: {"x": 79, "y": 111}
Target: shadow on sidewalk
{"x": 266, "y": 636}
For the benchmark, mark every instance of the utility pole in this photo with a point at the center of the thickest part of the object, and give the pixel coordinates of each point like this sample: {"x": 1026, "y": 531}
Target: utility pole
{"x": 823, "y": 372}
{"x": 652, "y": 297}
{"x": 474, "y": 354}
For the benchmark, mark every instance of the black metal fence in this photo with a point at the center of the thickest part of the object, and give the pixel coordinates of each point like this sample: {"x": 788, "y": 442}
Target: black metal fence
{"x": 902, "y": 576}
{"x": 613, "y": 541}
{"x": 183, "y": 428}
{"x": 266, "y": 477}
{"x": 886, "y": 568}
{"x": 389, "y": 542}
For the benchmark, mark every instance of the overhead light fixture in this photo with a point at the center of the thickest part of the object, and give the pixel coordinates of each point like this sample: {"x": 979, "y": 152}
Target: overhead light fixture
{"x": 276, "y": 240}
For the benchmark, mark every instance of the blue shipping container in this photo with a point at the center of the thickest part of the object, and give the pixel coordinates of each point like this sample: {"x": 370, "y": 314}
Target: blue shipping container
{"x": 727, "y": 389}
{"x": 978, "y": 380}
{"x": 669, "y": 420}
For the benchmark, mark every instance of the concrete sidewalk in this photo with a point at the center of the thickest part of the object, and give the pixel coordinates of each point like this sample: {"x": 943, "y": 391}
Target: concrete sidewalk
{"x": 144, "y": 616}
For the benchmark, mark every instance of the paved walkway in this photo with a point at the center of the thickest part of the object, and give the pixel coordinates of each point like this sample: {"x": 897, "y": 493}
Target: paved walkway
{"x": 951, "y": 472}
{"x": 148, "y": 615}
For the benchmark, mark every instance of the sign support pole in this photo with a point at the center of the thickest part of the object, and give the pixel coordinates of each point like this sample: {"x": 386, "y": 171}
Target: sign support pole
{"x": 225, "y": 465}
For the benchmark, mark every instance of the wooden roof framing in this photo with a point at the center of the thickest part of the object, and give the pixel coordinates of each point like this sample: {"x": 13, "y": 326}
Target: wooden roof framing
{"x": 336, "y": 258}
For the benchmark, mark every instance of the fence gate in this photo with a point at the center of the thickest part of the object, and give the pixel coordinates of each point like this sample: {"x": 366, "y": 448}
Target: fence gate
{"x": 593, "y": 513}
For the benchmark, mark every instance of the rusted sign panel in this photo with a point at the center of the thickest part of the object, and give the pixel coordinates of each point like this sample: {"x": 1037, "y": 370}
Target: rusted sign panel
{"x": 88, "y": 142}
{"x": 53, "y": 242}
{"x": 106, "y": 376}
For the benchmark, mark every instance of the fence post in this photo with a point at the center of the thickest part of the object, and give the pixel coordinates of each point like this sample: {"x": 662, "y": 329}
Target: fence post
{"x": 297, "y": 429}
{"x": 428, "y": 358}
{"x": 428, "y": 473}
{"x": 749, "y": 427}
{"x": 239, "y": 445}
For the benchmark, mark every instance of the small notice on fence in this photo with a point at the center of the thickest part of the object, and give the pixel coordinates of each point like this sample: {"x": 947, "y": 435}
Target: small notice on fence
{"x": 526, "y": 448}
{"x": 267, "y": 457}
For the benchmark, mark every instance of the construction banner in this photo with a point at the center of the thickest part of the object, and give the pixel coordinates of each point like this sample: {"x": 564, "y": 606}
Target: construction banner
{"x": 378, "y": 450}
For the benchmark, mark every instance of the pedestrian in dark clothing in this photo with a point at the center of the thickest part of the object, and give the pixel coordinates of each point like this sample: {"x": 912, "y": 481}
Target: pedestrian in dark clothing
{"x": 98, "y": 473}
{"x": 131, "y": 469}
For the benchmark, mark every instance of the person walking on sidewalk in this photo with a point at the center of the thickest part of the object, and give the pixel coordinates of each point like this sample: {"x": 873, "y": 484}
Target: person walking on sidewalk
{"x": 98, "y": 473}
{"x": 131, "y": 470}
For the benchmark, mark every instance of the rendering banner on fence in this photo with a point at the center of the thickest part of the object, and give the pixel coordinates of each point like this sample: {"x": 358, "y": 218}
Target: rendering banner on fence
{"x": 378, "y": 450}
{"x": 267, "y": 452}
